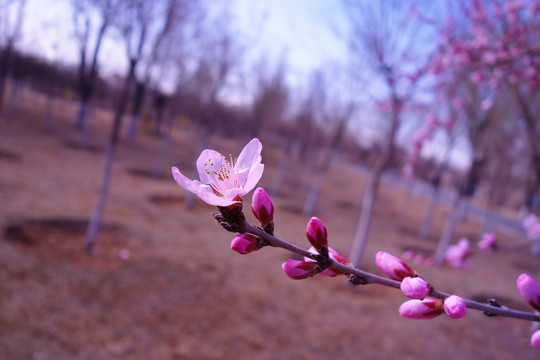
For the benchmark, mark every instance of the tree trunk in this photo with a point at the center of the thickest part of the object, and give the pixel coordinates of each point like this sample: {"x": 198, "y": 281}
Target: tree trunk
{"x": 370, "y": 195}
{"x": 95, "y": 220}
{"x": 368, "y": 201}
{"x": 47, "y": 123}
{"x": 430, "y": 215}
{"x": 159, "y": 163}
{"x": 87, "y": 84}
{"x": 289, "y": 156}
{"x": 448, "y": 231}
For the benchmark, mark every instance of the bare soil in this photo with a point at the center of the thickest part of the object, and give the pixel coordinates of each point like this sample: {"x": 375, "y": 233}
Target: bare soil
{"x": 164, "y": 284}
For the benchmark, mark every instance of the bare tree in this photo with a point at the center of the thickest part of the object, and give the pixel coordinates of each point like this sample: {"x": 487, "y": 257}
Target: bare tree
{"x": 11, "y": 33}
{"x": 83, "y": 15}
{"x": 169, "y": 43}
{"x": 138, "y": 18}
{"x": 383, "y": 38}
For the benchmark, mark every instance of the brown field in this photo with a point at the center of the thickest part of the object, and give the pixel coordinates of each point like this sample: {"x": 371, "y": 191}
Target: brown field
{"x": 181, "y": 293}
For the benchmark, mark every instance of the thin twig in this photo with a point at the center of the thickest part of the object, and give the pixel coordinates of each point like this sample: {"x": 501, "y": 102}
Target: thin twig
{"x": 369, "y": 278}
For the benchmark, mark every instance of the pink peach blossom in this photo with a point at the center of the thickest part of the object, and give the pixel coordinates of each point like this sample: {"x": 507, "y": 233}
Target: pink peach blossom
{"x": 298, "y": 270}
{"x": 455, "y": 307}
{"x": 415, "y": 287}
{"x": 224, "y": 181}
{"x": 334, "y": 255}
{"x": 316, "y": 233}
{"x": 535, "y": 339}
{"x": 244, "y": 243}
{"x": 392, "y": 266}
{"x": 262, "y": 206}
{"x": 488, "y": 242}
{"x": 457, "y": 254}
{"x": 529, "y": 290}
{"x": 421, "y": 309}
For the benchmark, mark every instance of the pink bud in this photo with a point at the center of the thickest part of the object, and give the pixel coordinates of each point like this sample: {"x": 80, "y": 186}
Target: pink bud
{"x": 535, "y": 339}
{"x": 317, "y": 234}
{"x": 334, "y": 255}
{"x": 421, "y": 309}
{"x": 298, "y": 270}
{"x": 244, "y": 244}
{"x": 415, "y": 287}
{"x": 529, "y": 290}
{"x": 262, "y": 206}
{"x": 392, "y": 266}
{"x": 455, "y": 307}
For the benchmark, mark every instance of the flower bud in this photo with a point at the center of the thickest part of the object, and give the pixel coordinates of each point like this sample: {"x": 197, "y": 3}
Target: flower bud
{"x": 244, "y": 244}
{"x": 529, "y": 290}
{"x": 415, "y": 287}
{"x": 317, "y": 234}
{"x": 334, "y": 255}
{"x": 298, "y": 270}
{"x": 535, "y": 339}
{"x": 392, "y": 266}
{"x": 262, "y": 208}
{"x": 421, "y": 309}
{"x": 455, "y": 307}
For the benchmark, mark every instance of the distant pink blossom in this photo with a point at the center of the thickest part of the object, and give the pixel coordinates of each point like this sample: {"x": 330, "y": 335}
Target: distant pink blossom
{"x": 415, "y": 287}
{"x": 244, "y": 243}
{"x": 455, "y": 307}
{"x": 486, "y": 104}
{"x": 224, "y": 181}
{"x": 298, "y": 270}
{"x": 392, "y": 266}
{"x": 529, "y": 221}
{"x": 529, "y": 290}
{"x": 457, "y": 254}
{"x": 487, "y": 242}
{"x": 408, "y": 255}
{"x": 419, "y": 259}
{"x": 421, "y": 309}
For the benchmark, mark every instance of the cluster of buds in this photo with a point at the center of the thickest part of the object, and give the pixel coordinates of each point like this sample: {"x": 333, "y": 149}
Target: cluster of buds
{"x": 223, "y": 183}
{"x": 530, "y": 291}
{"x": 322, "y": 259}
{"x": 263, "y": 210}
{"x": 416, "y": 288}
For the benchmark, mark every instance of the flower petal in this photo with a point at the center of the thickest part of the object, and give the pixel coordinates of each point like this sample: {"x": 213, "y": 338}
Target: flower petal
{"x": 203, "y": 191}
{"x": 207, "y": 195}
{"x": 253, "y": 178}
{"x": 182, "y": 180}
{"x": 250, "y": 156}
{"x": 208, "y": 159}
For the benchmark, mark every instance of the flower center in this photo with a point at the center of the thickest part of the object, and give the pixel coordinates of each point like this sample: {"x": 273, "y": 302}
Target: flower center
{"x": 223, "y": 173}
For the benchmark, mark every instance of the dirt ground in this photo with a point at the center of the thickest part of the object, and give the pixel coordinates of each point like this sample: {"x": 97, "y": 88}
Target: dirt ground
{"x": 164, "y": 284}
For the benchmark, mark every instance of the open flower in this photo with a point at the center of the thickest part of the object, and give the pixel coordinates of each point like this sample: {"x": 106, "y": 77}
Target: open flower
{"x": 224, "y": 181}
